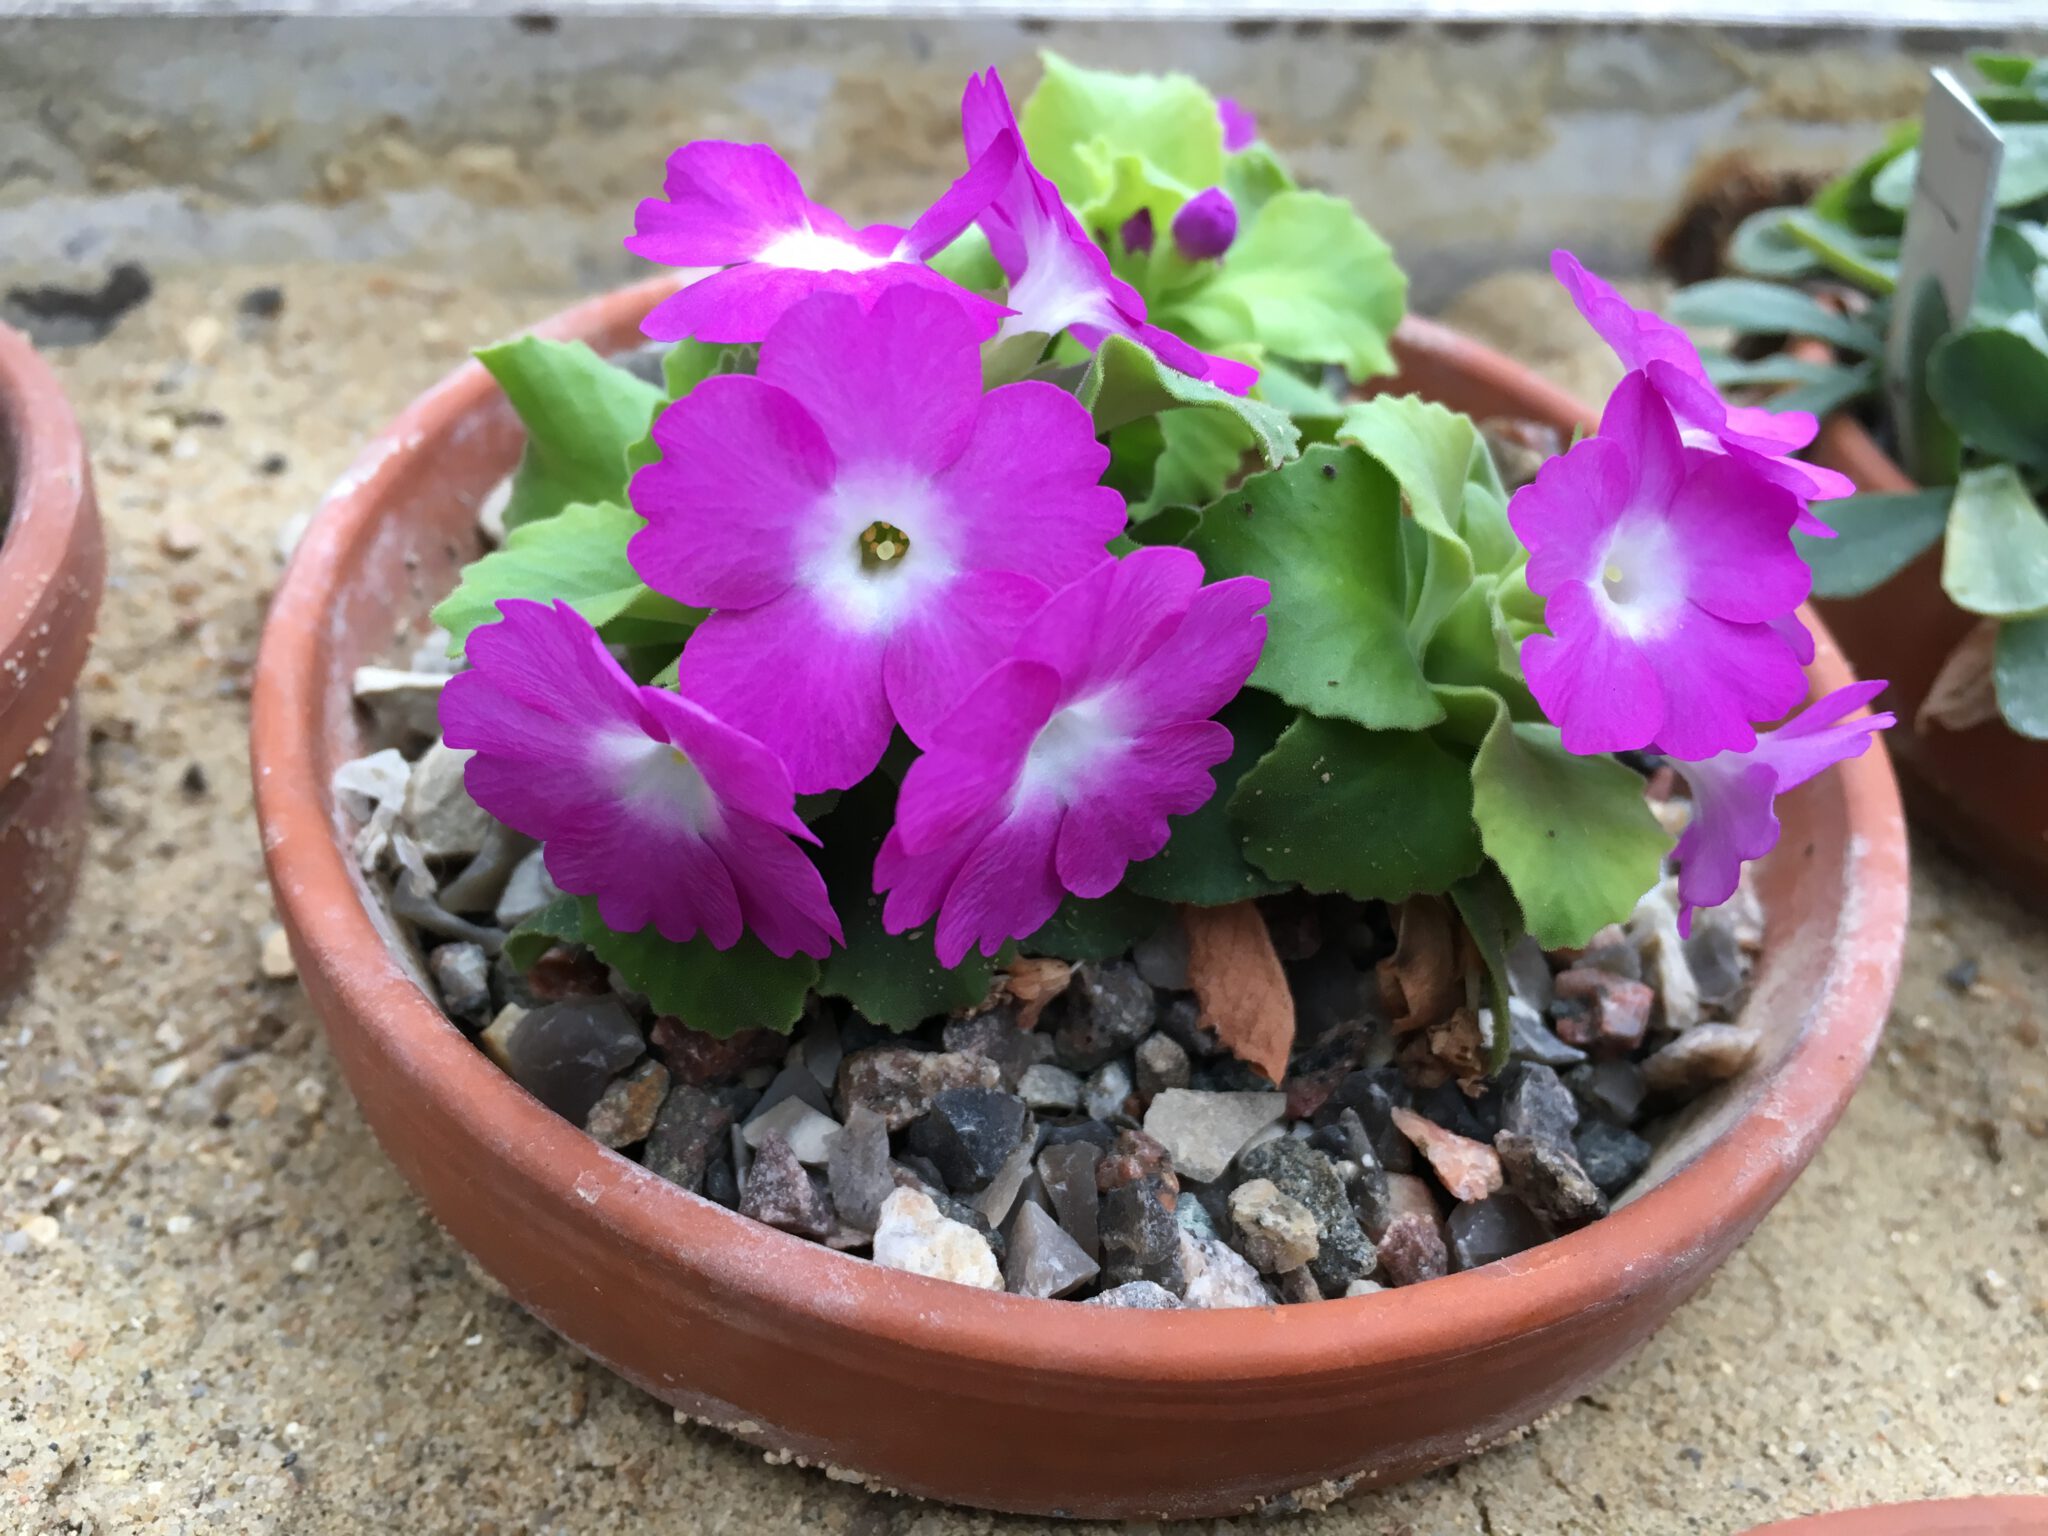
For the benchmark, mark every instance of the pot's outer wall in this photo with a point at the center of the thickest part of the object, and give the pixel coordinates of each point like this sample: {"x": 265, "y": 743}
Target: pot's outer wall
{"x": 1986, "y": 788}
{"x": 918, "y": 1385}
{"x": 52, "y": 569}
{"x": 2012, "y": 1516}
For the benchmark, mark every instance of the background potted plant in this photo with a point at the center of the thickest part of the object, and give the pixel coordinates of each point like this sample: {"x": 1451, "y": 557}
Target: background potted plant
{"x": 1938, "y": 576}
{"x": 1001, "y": 732}
{"x": 52, "y": 568}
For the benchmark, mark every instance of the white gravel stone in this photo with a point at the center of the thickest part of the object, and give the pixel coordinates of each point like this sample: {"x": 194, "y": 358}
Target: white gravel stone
{"x": 809, "y": 1133}
{"x": 915, "y": 1236}
{"x": 1204, "y": 1131}
{"x": 1218, "y": 1276}
{"x": 441, "y": 817}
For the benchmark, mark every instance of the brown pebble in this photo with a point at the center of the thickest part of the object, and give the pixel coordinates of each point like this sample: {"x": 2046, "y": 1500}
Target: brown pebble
{"x": 1549, "y": 1179}
{"x": 1412, "y": 1249}
{"x": 624, "y": 1113}
{"x": 1611, "y": 1015}
{"x": 1135, "y": 1156}
{"x": 1701, "y": 1057}
{"x": 1468, "y": 1169}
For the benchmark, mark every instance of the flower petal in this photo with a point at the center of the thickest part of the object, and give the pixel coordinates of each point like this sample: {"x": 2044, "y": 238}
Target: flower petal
{"x": 978, "y": 756}
{"x": 1163, "y": 773}
{"x": 1717, "y": 678}
{"x": 1564, "y": 515}
{"x": 1111, "y": 619}
{"x": 937, "y": 654}
{"x": 1202, "y": 663}
{"x": 742, "y": 467}
{"x": 1593, "y": 682}
{"x": 1006, "y": 888}
{"x": 780, "y": 890}
{"x": 726, "y": 203}
{"x": 810, "y": 693}
{"x": 747, "y": 778}
{"x": 1732, "y": 820}
{"x": 1736, "y": 530}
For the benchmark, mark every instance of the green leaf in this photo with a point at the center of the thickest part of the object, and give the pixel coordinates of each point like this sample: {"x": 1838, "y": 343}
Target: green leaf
{"x": 969, "y": 262}
{"x": 1825, "y": 396}
{"x": 1995, "y": 561}
{"x": 1279, "y": 385}
{"x": 1325, "y": 532}
{"x": 1763, "y": 245}
{"x": 1429, "y": 451}
{"x": 1254, "y": 177}
{"x": 1204, "y": 451}
{"x": 1306, "y": 279}
{"x": 1779, "y": 368}
{"x": 1846, "y": 201}
{"x": 1876, "y": 537}
{"x": 1169, "y": 525}
{"x": 1871, "y": 261}
{"x": 1126, "y": 382}
{"x": 1573, "y": 835}
{"x": 2019, "y": 671}
{"x": 1135, "y": 449}
{"x": 1379, "y": 815}
{"x": 1098, "y": 930}
{"x": 1167, "y": 120}
{"x": 894, "y": 979}
{"x": 1769, "y": 309}
{"x": 1494, "y": 920}
{"x": 1203, "y": 863}
{"x": 1991, "y": 385}
{"x": 2022, "y": 174}
{"x": 690, "y": 362}
{"x": 577, "y": 556}
{"x": 714, "y": 991}
{"x": 582, "y": 418}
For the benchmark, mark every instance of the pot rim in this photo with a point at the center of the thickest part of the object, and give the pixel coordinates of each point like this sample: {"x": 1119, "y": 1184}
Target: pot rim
{"x": 747, "y": 1263}
{"x": 1976, "y": 1515}
{"x": 52, "y": 555}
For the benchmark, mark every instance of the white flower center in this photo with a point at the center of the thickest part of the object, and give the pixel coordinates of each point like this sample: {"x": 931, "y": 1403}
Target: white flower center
{"x": 1640, "y": 575}
{"x": 1058, "y": 288}
{"x": 876, "y": 547}
{"x": 660, "y": 782}
{"x": 805, "y": 250}
{"x": 1070, "y": 751}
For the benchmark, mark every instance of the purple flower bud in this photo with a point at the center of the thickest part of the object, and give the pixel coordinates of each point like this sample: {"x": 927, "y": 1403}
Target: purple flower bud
{"x": 1240, "y": 128}
{"x": 1205, "y": 225}
{"x": 1137, "y": 232}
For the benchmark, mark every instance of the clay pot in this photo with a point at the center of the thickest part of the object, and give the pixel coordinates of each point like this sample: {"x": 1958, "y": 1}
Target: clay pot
{"x": 2013, "y": 1516}
{"x": 1985, "y": 789}
{"x": 52, "y": 569}
{"x": 919, "y": 1385}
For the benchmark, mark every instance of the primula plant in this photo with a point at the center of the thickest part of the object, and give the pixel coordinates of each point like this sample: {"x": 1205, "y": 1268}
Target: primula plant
{"x": 1979, "y": 438}
{"x": 990, "y": 585}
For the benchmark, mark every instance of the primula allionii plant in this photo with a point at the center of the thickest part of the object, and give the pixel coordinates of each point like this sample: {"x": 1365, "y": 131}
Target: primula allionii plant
{"x": 943, "y": 604}
{"x": 1977, "y": 433}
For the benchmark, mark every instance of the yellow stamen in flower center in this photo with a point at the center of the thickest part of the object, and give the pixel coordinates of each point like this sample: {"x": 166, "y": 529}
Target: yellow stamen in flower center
{"x": 1612, "y": 575}
{"x": 882, "y": 545}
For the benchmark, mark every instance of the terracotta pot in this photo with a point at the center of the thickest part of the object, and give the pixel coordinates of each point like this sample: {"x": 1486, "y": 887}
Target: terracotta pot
{"x": 2015, "y": 1516}
{"x": 52, "y": 569}
{"x": 1985, "y": 789}
{"x": 992, "y": 1400}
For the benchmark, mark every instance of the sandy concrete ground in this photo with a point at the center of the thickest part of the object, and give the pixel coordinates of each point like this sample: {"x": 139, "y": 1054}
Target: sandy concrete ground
{"x": 224, "y": 1312}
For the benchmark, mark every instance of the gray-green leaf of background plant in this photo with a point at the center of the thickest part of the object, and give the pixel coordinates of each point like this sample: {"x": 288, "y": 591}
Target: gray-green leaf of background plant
{"x": 2022, "y": 174}
{"x": 714, "y": 991}
{"x": 1379, "y": 815}
{"x": 582, "y": 417}
{"x": 1325, "y": 533}
{"x": 1126, "y": 382}
{"x": 577, "y": 556}
{"x": 1572, "y": 835}
{"x": 1995, "y": 559}
{"x": 1770, "y": 309}
{"x": 2019, "y": 671}
{"x": 1203, "y": 863}
{"x": 1306, "y": 279}
{"x": 1876, "y": 537}
{"x": 1991, "y": 384}
{"x": 895, "y": 980}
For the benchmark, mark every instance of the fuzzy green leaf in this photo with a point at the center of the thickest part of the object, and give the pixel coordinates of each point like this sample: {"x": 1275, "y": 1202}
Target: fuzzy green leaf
{"x": 1876, "y": 537}
{"x": 1429, "y": 451}
{"x": 1325, "y": 532}
{"x": 1573, "y": 835}
{"x": 1379, "y": 815}
{"x": 1203, "y": 863}
{"x": 577, "y": 556}
{"x": 1306, "y": 279}
{"x": 1991, "y": 385}
{"x": 1770, "y": 309}
{"x": 1097, "y": 930}
{"x": 582, "y": 418}
{"x": 1995, "y": 560}
{"x": 894, "y": 979}
{"x": 1126, "y": 381}
{"x": 714, "y": 991}
{"x": 1079, "y": 118}
{"x": 2019, "y": 671}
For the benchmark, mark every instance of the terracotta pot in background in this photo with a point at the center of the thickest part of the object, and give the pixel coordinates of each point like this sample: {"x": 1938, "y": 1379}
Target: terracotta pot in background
{"x": 2012, "y": 1516}
{"x": 1985, "y": 788}
{"x": 979, "y": 1398}
{"x": 52, "y": 569}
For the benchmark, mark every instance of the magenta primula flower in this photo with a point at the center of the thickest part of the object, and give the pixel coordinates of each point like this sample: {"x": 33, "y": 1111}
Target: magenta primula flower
{"x": 1763, "y": 440}
{"x": 1059, "y": 279}
{"x": 642, "y": 798}
{"x": 870, "y": 527}
{"x": 1667, "y": 573}
{"x": 740, "y": 209}
{"x": 1732, "y": 815}
{"x": 1240, "y": 128}
{"x": 1063, "y": 763}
